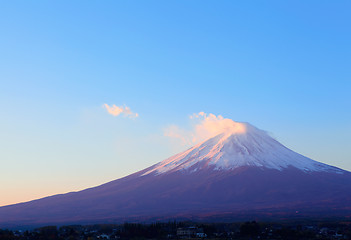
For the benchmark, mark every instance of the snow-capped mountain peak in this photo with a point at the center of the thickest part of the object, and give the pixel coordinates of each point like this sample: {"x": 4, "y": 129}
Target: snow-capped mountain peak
{"x": 238, "y": 173}
{"x": 239, "y": 145}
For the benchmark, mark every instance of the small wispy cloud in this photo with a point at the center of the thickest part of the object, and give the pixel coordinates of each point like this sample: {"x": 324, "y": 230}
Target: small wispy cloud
{"x": 204, "y": 126}
{"x": 173, "y": 131}
{"x": 116, "y": 111}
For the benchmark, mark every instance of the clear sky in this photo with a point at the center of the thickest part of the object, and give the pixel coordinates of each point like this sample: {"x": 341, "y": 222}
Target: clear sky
{"x": 283, "y": 66}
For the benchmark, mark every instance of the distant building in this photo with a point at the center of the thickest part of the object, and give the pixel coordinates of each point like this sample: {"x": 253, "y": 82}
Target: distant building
{"x": 103, "y": 236}
{"x": 201, "y": 235}
{"x": 191, "y": 232}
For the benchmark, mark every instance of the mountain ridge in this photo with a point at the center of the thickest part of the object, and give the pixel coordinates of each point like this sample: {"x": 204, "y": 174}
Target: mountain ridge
{"x": 240, "y": 173}
{"x": 248, "y": 146}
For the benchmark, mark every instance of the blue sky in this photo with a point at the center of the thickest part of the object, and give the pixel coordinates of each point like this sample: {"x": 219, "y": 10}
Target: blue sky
{"x": 283, "y": 66}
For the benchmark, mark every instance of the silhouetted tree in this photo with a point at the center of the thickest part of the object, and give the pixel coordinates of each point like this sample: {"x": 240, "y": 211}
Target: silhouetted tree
{"x": 48, "y": 233}
{"x": 6, "y": 235}
{"x": 250, "y": 229}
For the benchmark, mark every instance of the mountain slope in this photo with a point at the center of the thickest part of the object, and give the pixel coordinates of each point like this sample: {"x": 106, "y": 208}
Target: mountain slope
{"x": 239, "y": 173}
{"x": 242, "y": 145}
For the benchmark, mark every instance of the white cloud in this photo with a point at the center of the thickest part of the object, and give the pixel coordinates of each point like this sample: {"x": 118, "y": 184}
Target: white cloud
{"x": 204, "y": 126}
{"x": 116, "y": 111}
{"x": 173, "y": 131}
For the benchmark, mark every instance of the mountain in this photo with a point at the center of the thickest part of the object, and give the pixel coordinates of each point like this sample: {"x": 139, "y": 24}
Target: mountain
{"x": 239, "y": 174}
{"x": 242, "y": 145}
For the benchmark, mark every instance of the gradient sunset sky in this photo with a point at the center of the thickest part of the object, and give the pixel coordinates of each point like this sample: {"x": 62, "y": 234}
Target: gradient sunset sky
{"x": 95, "y": 90}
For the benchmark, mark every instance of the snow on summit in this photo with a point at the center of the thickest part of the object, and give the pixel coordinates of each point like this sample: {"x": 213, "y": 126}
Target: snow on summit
{"x": 238, "y": 144}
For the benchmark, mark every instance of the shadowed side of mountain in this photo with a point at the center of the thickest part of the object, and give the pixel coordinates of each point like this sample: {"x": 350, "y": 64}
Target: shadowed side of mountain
{"x": 184, "y": 194}
{"x": 237, "y": 173}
